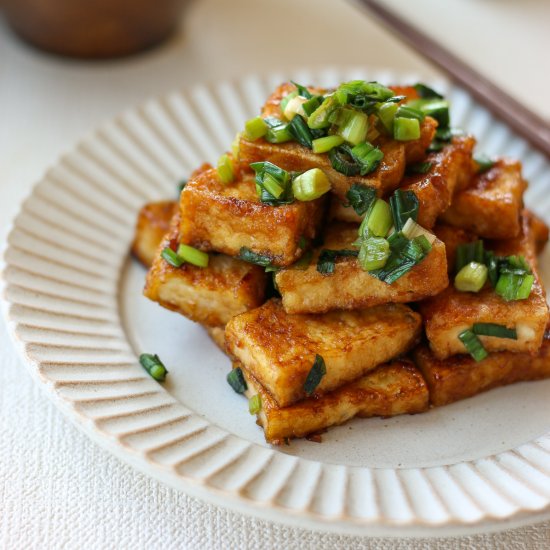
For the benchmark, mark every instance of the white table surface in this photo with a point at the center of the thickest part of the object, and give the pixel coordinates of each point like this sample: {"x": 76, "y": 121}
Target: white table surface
{"x": 57, "y": 489}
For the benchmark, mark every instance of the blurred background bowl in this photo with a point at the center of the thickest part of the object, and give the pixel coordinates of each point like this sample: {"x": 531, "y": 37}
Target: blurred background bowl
{"x": 93, "y": 28}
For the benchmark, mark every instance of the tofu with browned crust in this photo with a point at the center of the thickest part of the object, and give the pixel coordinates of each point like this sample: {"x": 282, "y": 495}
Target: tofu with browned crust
{"x": 295, "y": 157}
{"x": 451, "y": 312}
{"x": 210, "y": 295}
{"x": 491, "y": 206}
{"x": 152, "y": 224}
{"x": 225, "y": 218}
{"x": 279, "y": 349}
{"x": 350, "y": 287}
{"x": 389, "y": 390}
{"x": 460, "y": 376}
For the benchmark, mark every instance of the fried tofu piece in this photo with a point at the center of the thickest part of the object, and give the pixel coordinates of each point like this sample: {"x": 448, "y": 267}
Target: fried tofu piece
{"x": 279, "y": 349}
{"x": 451, "y": 170}
{"x": 295, "y": 157}
{"x": 153, "y": 223}
{"x": 451, "y": 312}
{"x": 210, "y": 295}
{"x": 492, "y": 205}
{"x": 460, "y": 376}
{"x": 389, "y": 390}
{"x": 350, "y": 287}
{"x": 226, "y": 218}
{"x": 539, "y": 230}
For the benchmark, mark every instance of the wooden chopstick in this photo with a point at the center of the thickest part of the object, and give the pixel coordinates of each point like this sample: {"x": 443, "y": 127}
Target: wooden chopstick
{"x": 526, "y": 123}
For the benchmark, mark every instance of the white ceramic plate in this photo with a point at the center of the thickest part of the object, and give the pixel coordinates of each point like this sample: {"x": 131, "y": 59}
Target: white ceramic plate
{"x": 73, "y": 300}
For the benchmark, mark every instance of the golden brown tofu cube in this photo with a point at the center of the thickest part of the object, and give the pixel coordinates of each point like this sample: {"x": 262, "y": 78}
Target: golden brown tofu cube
{"x": 451, "y": 312}
{"x": 451, "y": 170}
{"x": 152, "y": 224}
{"x": 460, "y": 376}
{"x": 295, "y": 157}
{"x": 492, "y": 205}
{"x": 539, "y": 231}
{"x": 226, "y": 218}
{"x": 210, "y": 295}
{"x": 279, "y": 349}
{"x": 350, "y": 287}
{"x": 389, "y": 390}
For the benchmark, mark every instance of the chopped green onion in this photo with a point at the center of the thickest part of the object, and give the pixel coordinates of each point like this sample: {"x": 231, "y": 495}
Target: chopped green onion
{"x": 367, "y": 156}
{"x": 154, "y": 366}
{"x": 181, "y": 185}
{"x": 484, "y": 163}
{"x": 444, "y": 134}
{"x": 171, "y": 257}
{"x": 524, "y": 290}
{"x": 325, "y": 144}
{"x": 302, "y": 90}
{"x": 469, "y": 252}
{"x": 411, "y": 230}
{"x": 419, "y": 168}
{"x": 255, "y": 404}
{"x": 286, "y": 99}
{"x": 312, "y": 104}
{"x": 192, "y": 255}
{"x": 386, "y": 114}
{"x": 272, "y": 183}
{"x": 406, "y": 129}
{"x": 294, "y": 107}
{"x": 236, "y": 380}
{"x": 493, "y": 266}
{"x": 320, "y": 117}
{"x": 404, "y": 205}
{"x": 473, "y": 345}
{"x": 379, "y": 219}
{"x": 435, "y": 146}
{"x": 225, "y": 169}
{"x": 251, "y": 257}
{"x": 343, "y": 161}
{"x": 355, "y": 127}
{"x": 327, "y": 259}
{"x": 436, "y": 108}
{"x": 236, "y": 145}
{"x": 361, "y": 197}
{"x": 300, "y": 131}
{"x": 310, "y": 185}
{"x": 374, "y": 253}
{"x": 313, "y": 379}
{"x": 277, "y": 131}
{"x": 272, "y": 186}
{"x": 492, "y": 329}
{"x": 407, "y": 111}
{"x": 514, "y": 286}
{"x": 255, "y": 128}
{"x": 471, "y": 278}
{"x": 371, "y": 90}
{"x": 426, "y": 92}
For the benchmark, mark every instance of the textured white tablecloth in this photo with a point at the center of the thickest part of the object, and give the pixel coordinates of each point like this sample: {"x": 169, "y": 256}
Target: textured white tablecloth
{"x": 57, "y": 489}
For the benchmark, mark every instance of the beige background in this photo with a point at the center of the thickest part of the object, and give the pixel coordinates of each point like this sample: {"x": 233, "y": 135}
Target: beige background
{"x": 57, "y": 489}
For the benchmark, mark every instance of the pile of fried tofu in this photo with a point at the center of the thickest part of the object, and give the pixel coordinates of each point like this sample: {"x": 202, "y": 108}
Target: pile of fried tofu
{"x": 387, "y": 349}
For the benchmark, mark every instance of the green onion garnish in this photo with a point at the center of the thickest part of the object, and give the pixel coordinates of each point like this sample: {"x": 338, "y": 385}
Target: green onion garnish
{"x": 192, "y": 255}
{"x": 386, "y": 114}
{"x": 255, "y": 404}
{"x": 318, "y": 370}
{"x": 419, "y": 168}
{"x": 327, "y": 259}
{"x": 484, "y": 163}
{"x": 411, "y": 230}
{"x": 236, "y": 380}
{"x": 492, "y": 329}
{"x": 225, "y": 169}
{"x": 310, "y": 185}
{"x": 469, "y": 252}
{"x": 436, "y": 108}
{"x": 154, "y": 366}
{"x": 404, "y": 205}
{"x": 379, "y": 219}
{"x": 471, "y": 278}
{"x": 272, "y": 183}
{"x": 312, "y": 104}
{"x": 407, "y": 111}
{"x": 255, "y": 128}
{"x": 361, "y": 197}
{"x": 300, "y": 131}
{"x": 406, "y": 129}
{"x": 374, "y": 253}
{"x": 343, "y": 161}
{"x": 247, "y": 255}
{"x": 426, "y": 92}
{"x": 287, "y": 98}
{"x": 367, "y": 156}
{"x": 320, "y": 117}
{"x": 302, "y": 90}
{"x": 514, "y": 286}
{"x": 171, "y": 257}
{"x": 370, "y": 90}
{"x": 277, "y": 130}
{"x": 181, "y": 185}
{"x": 473, "y": 345}
{"x": 325, "y": 144}
{"x": 354, "y": 127}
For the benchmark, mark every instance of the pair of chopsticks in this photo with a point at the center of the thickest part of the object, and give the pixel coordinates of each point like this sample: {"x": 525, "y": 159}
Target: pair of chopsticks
{"x": 523, "y": 121}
